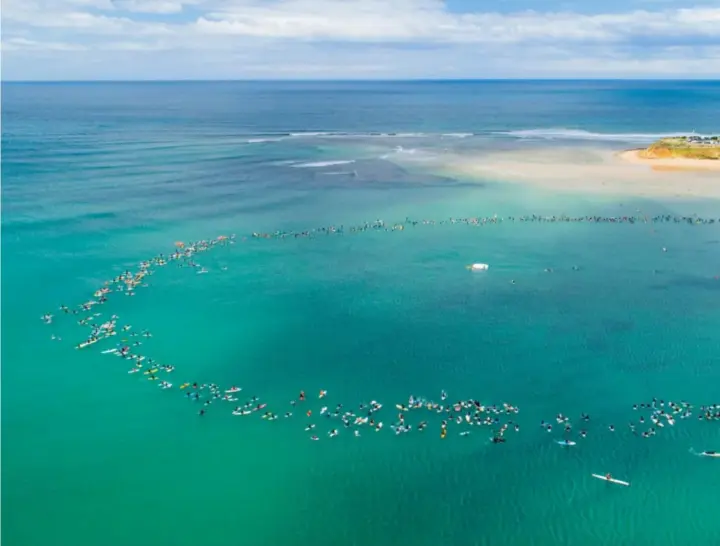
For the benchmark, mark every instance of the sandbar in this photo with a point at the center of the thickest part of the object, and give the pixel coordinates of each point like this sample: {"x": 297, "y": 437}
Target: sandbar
{"x": 586, "y": 170}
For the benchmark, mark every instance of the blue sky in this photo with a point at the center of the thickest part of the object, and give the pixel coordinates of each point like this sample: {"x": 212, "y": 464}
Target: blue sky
{"x": 377, "y": 39}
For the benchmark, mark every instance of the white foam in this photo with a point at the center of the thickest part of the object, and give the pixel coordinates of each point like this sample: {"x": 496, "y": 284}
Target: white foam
{"x": 342, "y": 134}
{"x": 312, "y": 134}
{"x": 456, "y": 135}
{"x": 407, "y": 135}
{"x": 260, "y": 140}
{"x": 579, "y": 134}
{"x": 316, "y": 164}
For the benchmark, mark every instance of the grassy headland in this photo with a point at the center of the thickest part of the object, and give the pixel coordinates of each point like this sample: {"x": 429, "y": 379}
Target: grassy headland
{"x": 690, "y": 147}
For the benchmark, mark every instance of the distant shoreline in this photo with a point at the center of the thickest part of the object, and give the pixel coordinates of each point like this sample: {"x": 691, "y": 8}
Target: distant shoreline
{"x": 637, "y": 157}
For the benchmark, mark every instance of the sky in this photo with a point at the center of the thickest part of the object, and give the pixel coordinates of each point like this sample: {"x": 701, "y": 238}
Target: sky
{"x": 359, "y": 39}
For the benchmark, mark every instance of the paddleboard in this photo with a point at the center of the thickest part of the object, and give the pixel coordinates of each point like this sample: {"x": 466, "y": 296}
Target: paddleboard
{"x": 612, "y": 480}
{"x": 234, "y": 389}
{"x": 109, "y": 351}
{"x": 565, "y": 442}
{"x": 708, "y": 454}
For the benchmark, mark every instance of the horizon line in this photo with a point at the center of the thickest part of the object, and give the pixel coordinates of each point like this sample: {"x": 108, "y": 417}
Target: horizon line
{"x": 357, "y": 80}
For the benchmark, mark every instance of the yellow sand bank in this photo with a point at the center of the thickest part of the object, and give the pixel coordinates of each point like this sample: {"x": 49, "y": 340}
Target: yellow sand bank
{"x": 670, "y": 163}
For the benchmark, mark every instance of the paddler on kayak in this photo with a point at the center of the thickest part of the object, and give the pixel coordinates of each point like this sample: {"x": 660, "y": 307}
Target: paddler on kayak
{"x": 608, "y": 476}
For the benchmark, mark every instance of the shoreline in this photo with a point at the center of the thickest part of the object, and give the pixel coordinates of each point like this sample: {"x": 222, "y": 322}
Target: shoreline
{"x": 669, "y": 163}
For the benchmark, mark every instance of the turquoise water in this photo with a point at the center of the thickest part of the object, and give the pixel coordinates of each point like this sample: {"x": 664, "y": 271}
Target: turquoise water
{"x": 97, "y": 177}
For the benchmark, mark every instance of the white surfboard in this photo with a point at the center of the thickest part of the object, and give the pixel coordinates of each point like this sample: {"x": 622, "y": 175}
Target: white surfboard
{"x": 611, "y": 480}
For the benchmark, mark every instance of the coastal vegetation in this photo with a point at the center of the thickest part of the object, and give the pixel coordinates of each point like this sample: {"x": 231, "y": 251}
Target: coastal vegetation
{"x": 686, "y": 147}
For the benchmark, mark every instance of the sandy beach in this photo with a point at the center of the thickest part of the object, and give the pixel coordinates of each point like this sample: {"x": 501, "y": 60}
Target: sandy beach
{"x": 670, "y": 163}
{"x": 590, "y": 170}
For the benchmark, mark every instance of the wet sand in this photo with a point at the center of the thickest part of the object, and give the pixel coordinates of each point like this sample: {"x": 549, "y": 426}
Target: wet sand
{"x": 590, "y": 170}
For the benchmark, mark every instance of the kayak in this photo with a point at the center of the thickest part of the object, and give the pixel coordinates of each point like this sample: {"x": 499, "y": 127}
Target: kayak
{"x": 710, "y": 454}
{"x": 612, "y": 480}
{"x": 234, "y": 389}
{"x": 565, "y": 442}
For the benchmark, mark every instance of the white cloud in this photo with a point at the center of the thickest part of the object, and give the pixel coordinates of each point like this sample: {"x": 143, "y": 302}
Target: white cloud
{"x": 288, "y": 38}
{"x": 150, "y": 6}
{"x": 428, "y": 20}
{"x": 18, "y": 44}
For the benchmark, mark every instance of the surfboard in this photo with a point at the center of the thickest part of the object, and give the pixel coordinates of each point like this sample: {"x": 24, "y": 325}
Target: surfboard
{"x": 612, "y": 480}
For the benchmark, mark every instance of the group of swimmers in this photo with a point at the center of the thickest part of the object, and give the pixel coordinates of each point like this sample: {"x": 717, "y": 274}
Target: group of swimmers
{"x": 463, "y": 414}
{"x": 660, "y": 414}
{"x": 380, "y": 225}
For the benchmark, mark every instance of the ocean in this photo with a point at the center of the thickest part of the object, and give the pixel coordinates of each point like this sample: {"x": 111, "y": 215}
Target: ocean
{"x": 570, "y": 318}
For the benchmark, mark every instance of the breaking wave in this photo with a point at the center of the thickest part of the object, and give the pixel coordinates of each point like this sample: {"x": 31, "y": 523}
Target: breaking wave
{"x": 579, "y": 134}
{"x": 317, "y": 164}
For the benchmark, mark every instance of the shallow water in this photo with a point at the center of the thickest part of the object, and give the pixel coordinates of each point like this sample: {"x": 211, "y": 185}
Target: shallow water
{"x": 98, "y": 177}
